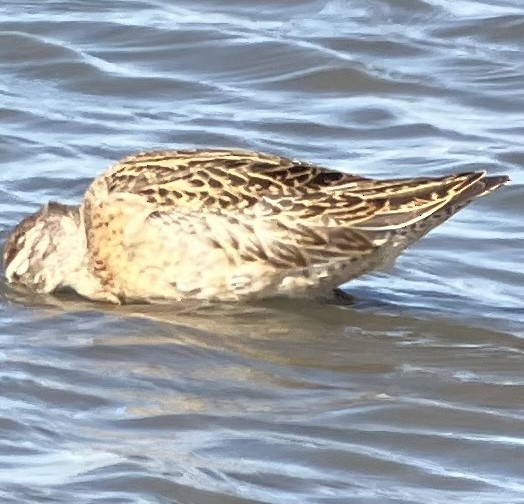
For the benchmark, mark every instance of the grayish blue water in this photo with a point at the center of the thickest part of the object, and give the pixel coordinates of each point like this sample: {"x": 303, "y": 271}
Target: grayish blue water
{"x": 415, "y": 394}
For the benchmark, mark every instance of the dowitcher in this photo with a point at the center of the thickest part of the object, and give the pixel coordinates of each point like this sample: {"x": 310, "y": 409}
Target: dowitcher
{"x": 227, "y": 225}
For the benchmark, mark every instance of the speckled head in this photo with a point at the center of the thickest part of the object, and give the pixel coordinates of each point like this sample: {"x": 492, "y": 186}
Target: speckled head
{"x": 43, "y": 248}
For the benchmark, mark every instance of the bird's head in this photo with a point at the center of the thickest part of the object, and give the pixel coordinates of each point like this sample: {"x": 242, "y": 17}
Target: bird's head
{"x": 45, "y": 248}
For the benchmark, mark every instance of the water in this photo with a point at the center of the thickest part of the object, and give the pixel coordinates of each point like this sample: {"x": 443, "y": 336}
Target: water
{"x": 414, "y": 394}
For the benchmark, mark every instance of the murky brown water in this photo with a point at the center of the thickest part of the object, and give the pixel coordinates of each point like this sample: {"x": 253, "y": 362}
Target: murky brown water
{"x": 415, "y": 394}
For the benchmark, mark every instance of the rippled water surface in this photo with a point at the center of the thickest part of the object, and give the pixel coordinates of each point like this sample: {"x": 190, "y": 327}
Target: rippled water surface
{"x": 413, "y": 394}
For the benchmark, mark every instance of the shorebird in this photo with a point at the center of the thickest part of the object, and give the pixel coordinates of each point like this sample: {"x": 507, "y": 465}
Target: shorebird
{"x": 227, "y": 225}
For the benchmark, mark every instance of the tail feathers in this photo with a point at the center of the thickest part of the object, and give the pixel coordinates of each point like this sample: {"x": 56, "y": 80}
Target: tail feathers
{"x": 416, "y": 204}
{"x": 484, "y": 186}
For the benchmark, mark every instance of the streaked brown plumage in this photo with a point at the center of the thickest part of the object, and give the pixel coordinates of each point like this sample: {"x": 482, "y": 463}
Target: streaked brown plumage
{"x": 228, "y": 225}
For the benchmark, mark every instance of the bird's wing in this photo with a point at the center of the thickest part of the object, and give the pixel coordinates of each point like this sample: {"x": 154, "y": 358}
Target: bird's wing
{"x": 259, "y": 207}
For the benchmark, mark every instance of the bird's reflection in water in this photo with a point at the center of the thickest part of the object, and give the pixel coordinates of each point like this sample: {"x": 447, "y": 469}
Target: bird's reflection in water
{"x": 365, "y": 336}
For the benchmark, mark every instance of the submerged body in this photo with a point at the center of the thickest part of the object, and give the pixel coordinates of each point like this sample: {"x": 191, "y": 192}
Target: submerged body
{"x": 227, "y": 225}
